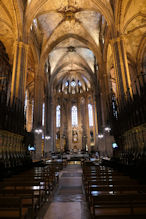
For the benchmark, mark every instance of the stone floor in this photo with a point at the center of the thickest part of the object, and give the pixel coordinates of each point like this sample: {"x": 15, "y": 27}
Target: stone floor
{"x": 68, "y": 201}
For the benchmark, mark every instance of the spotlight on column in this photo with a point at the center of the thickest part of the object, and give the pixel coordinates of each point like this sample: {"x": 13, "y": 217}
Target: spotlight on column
{"x": 107, "y": 129}
{"x": 47, "y": 137}
{"x": 38, "y": 131}
{"x": 100, "y": 136}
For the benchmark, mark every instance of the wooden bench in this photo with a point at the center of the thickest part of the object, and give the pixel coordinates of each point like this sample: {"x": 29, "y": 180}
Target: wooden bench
{"x": 43, "y": 182}
{"x": 32, "y": 187}
{"x": 118, "y": 205}
{"x": 12, "y": 207}
{"x": 106, "y": 182}
{"x": 36, "y": 187}
{"x": 114, "y": 189}
{"x": 113, "y": 195}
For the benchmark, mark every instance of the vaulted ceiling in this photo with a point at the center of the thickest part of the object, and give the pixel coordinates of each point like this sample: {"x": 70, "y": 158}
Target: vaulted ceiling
{"x": 71, "y": 36}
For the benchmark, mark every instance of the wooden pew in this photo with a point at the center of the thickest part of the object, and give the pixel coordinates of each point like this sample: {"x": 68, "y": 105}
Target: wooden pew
{"x": 44, "y": 179}
{"x": 107, "y": 182}
{"x": 112, "y": 206}
{"x": 30, "y": 198}
{"x": 114, "y": 189}
{"x": 33, "y": 187}
{"x": 113, "y": 195}
{"x": 12, "y": 207}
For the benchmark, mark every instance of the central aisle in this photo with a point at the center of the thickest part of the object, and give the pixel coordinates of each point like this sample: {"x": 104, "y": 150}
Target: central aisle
{"x": 69, "y": 200}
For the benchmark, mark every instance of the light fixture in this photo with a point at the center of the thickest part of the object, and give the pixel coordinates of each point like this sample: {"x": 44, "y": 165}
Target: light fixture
{"x": 38, "y": 131}
{"x": 47, "y": 137}
{"x": 107, "y": 129}
{"x": 100, "y": 136}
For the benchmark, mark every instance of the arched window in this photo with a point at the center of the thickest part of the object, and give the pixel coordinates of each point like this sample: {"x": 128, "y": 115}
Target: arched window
{"x": 90, "y": 113}
{"x": 66, "y": 84}
{"x": 43, "y": 114}
{"x": 32, "y": 111}
{"x": 58, "y": 116}
{"x": 28, "y": 2}
{"x": 25, "y": 103}
{"x": 73, "y": 83}
{"x": 74, "y": 114}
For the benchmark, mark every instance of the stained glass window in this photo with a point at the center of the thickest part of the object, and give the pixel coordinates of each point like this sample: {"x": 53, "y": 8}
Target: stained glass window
{"x": 32, "y": 110}
{"x": 25, "y": 103}
{"x": 90, "y": 113}
{"x": 66, "y": 83}
{"x": 74, "y": 116}
{"x": 43, "y": 114}
{"x": 79, "y": 83}
{"x": 35, "y": 22}
{"x": 58, "y": 116}
{"x": 73, "y": 83}
{"x": 28, "y": 1}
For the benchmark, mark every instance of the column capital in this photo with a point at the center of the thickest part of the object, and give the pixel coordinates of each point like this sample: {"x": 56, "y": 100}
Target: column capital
{"x": 117, "y": 39}
{"x": 21, "y": 44}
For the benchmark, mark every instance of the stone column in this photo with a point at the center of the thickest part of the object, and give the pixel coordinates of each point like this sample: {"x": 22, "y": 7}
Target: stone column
{"x": 100, "y": 141}
{"x": 19, "y": 73}
{"x": 98, "y": 108}
{"x": 50, "y": 118}
{"x": 29, "y": 116}
{"x": 38, "y": 102}
{"x": 69, "y": 124}
{"x": 79, "y": 123}
{"x": 65, "y": 122}
{"x": 94, "y": 120}
{"x": 83, "y": 116}
{"x": 87, "y": 123}
{"x": 46, "y": 127}
{"x": 121, "y": 69}
{"x": 61, "y": 125}
{"x": 53, "y": 123}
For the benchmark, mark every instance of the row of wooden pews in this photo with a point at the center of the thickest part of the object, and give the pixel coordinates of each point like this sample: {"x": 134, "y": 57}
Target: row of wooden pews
{"x": 111, "y": 194}
{"x": 22, "y": 195}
